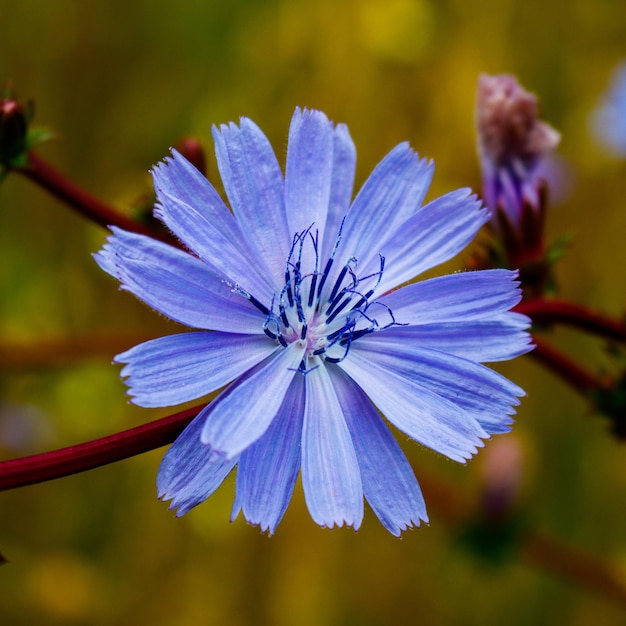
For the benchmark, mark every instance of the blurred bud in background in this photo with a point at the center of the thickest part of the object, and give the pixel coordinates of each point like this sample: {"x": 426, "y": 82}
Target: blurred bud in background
{"x": 192, "y": 150}
{"x": 608, "y": 120}
{"x": 13, "y": 127}
{"x": 24, "y": 429}
{"x": 515, "y": 149}
{"x": 502, "y": 473}
{"x": 496, "y": 530}
{"x": 512, "y": 143}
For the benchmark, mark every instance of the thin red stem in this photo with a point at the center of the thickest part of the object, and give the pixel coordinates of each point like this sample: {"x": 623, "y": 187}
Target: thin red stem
{"x": 549, "y": 312}
{"x": 63, "y": 189}
{"x": 74, "y": 459}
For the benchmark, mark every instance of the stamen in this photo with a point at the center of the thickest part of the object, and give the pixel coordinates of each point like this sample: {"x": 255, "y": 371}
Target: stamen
{"x": 346, "y": 268}
{"x": 338, "y": 310}
{"x": 329, "y": 264}
{"x": 241, "y": 291}
{"x": 347, "y": 342}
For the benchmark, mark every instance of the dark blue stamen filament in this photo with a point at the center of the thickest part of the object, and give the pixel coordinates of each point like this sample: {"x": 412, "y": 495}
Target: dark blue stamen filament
{"x": 298, "y": 313}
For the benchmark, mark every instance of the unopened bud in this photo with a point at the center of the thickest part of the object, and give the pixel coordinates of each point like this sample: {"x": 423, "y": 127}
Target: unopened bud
{"x": 13, "y": 129}
{"x": 512, "y": 142}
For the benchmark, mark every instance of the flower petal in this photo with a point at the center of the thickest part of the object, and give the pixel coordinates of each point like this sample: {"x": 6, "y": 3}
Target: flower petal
{"x": 427, "y": 417}
{"x": 176, "y": 284}
{"x": 175, "y": 369}
{"x": 235, "y": 263}
{"x": 308, "y": 173}
{"x": 483, "y": 394}
{"x": 190, "y": 471}
{"x": 242, "y": 416}
{"x": 344, "y": 166}
{"x": 433, "y": 235}
{"x": 481, "y": 341}
{"x": 330, "y": 471}
{"x": 461, "y": 297}
{"x": 254, "y": 185}
{"x": 268, "y": 469}
{"x": 391, "y": 193}
{"x": 389, "y": 483}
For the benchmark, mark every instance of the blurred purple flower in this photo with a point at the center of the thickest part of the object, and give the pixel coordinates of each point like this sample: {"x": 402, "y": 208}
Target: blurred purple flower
{"x": 608, "y": 121}
{"x": 512, "y": 144}
{"x": 310, "y": 332}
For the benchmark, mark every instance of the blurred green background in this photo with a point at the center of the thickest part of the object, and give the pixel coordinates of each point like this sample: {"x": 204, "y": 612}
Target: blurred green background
{"x": 121, "y": 82}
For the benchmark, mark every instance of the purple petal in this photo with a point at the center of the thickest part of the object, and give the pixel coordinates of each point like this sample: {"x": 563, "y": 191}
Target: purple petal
{"x": 268, "y": 469}
{"x": 484, "y": 395}
{"x": 433, "y": 235}
{"x": 175, "y": 369}
{"x": 462, "y": 297}
{"x": 242, "y": 416}
{"x": 481, "y": 341}
{"x": 330, "y": 471}
{"x": 389, "y": 483}
{"x": 212, "y": 234}
{"x": 254, "y": 185}
{"x": 177, "y": 284}
{"x": 308, "y": 174}
{"x": 344, "y": 166}
{"x": 391, "y": 193}
{"x": 190, "y": 471}
{"x": 421, "y": 413}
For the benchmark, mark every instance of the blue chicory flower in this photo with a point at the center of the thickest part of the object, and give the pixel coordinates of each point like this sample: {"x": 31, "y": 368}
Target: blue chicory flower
{"x": 608, "y": 120}
{"x": 309, "y": 330}
{"x": 512, "y": 145}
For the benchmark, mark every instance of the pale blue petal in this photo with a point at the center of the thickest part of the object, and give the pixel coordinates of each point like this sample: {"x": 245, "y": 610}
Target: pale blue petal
{"x": 242, "y": 416}
{"x": 190, "y": 471}
{"x": 268, "y": 469}
{"x": 433, "y": 235}
{"x": 344, "y": 166}
{"x": 480, "y": 341}
{"x": 233, "y": 261}
{"x": 178, "y": 178}
{"x": 389, "y": 195}
{"x": 389, "y": 483}
{"x": 465, "y": 296}
{"x": 414, "y": 408}
{"x": 177, "y": 284}
{"x": 330, "y": 471}
{"x": 308, "y": 172}
{"x": 175, "y": 369}
{"x": 254, "y": 185}
{"x": 483, "y": 394}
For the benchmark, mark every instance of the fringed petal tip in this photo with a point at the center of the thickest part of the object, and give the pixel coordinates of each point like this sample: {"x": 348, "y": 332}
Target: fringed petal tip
{"x": 398, "y": 530}
{"x": 179, "y": 508}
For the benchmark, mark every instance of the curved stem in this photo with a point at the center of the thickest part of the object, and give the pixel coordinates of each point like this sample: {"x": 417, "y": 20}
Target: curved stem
{"x": 63, "y": 189}
{"x": 561, "y": 312}
{"x": 74, "y": 459}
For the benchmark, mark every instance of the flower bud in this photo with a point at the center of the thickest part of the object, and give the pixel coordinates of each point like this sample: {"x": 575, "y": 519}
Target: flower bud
{"x": 13, "y": 129}
{"x": 512, "y": 142}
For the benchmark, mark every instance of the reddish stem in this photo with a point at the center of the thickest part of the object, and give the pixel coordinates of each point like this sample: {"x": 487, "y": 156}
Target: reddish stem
{"x": 559, "y": 312}
{"x": 54, "y": 182}
{"x": 74, "y": 459}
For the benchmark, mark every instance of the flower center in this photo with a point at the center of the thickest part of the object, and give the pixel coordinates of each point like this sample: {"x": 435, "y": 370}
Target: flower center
{"x": 322, "y": 310}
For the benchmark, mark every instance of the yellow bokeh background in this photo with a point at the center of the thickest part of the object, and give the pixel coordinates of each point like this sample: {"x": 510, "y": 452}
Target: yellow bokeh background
{"x": 120, "y": 82}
